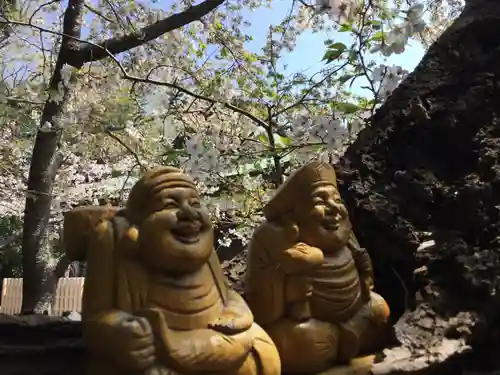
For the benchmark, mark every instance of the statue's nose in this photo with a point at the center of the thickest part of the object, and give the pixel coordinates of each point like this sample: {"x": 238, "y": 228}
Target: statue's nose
{"x": 186, "y": 212}
{"x": 336, "y": 208}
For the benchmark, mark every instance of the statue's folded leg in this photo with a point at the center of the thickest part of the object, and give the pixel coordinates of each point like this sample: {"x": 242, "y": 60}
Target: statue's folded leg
{"x": 305, "y": 347}
{"x": 263, "y": 359}
{"x": 366, "y": 331}
{"x": 378, "y": 332}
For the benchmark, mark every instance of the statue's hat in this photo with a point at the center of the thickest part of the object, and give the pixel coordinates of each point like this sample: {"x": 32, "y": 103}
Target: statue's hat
{"x": 149, "y": 192}
{"x": 297, "y": 186}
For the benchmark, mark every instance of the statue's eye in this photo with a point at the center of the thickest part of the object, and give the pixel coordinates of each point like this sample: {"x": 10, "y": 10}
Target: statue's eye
{"x": 169, "y": 204}
{"x": 195, "y": 203}
{"x": 318, "y": 201}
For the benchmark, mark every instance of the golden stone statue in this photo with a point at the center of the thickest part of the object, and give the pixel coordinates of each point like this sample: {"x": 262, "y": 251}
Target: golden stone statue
{"x": 309, "y": 283}
{"x": 155, "y": 300}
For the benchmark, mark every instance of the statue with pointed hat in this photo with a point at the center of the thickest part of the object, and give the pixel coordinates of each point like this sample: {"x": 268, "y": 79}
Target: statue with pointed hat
{"x": 155, "y": 300}
{"x": 308, "y": 281}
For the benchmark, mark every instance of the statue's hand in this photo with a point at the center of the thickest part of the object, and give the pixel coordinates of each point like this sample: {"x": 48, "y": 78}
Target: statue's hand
{"x": 229, "y": 323}
{"x": 297, "y": 288}
{"x": 367, "y": 287}
{"x": 301, "y": 259}
{"x": 134, "y": 348}
{"x": 235, "y": 317}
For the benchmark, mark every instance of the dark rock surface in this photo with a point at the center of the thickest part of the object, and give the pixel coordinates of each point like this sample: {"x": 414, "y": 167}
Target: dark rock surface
{"x": 428, "y": 169}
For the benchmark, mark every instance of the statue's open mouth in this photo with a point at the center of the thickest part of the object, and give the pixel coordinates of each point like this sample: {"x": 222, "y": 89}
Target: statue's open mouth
{"x": 330, "y": 224}
{"x": 188, "y": 232}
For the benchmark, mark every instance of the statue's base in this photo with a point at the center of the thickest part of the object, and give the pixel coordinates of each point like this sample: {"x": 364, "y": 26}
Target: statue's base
{"x": 357, "y": 366}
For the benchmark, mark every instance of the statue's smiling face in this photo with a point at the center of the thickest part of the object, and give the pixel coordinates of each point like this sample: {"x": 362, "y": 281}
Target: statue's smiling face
{"x": 178, "y": 236}
{"x": 323, "y": 219}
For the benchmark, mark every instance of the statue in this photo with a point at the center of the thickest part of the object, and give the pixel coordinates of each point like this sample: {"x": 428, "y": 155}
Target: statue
{"x": 155, "y": 300}
{"x": 309, "y": 283}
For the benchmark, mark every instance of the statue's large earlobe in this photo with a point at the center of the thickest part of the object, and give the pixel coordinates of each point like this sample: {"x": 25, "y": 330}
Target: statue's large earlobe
{"x": 353, "y": 241}
{"x": 291, "y": 228}
{"x": 129, "y": 242}
{"x": 218, "y": 275}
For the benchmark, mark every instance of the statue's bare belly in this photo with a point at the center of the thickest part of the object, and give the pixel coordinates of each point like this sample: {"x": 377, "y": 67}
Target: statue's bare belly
{"x": 189, "y": 302}
{"x": 336, "y": 294}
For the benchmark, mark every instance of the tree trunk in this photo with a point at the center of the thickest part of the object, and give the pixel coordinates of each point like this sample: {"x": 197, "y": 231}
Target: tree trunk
{"x": 44, "y": 166}
{"x": 427, "y": 173}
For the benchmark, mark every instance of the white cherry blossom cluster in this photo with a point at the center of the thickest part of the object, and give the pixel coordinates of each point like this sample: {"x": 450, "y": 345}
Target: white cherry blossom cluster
{"x": 338, "y": 10}
{"x": 210, "y": 152}
{"x": 327, "y": 129}
{"x": 397, "y": 38}
{"x": 317, "y": 14}
{"x": 341, "y": 11}
{"x": 388, "y": 78}
{"x": 201, "y": 158}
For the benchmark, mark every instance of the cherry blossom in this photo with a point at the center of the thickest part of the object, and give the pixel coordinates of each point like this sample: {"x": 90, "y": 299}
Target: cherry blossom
{"x": 195, "y": 147}
{"x": 414, "y": 19}
{"x": 388, "y": 77}
{"x": 211, "y": 159}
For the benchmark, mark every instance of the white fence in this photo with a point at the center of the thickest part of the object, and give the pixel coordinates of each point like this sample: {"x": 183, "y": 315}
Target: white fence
{"x": 68, "y": 296}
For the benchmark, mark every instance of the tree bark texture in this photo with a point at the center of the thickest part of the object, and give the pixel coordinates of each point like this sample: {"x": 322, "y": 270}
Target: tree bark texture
{"x": 45, "y": 160}
{"x": 44, "y": 167}
{"x": 428, "y": 168}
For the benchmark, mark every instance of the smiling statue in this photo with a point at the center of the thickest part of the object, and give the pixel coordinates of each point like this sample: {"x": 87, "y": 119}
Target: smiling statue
{"x": 155, "y": 300}
{"x": 309, "y": 284}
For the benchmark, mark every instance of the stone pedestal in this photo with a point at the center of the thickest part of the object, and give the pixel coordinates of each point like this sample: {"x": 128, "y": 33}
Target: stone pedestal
{"x": 40, "y": 345}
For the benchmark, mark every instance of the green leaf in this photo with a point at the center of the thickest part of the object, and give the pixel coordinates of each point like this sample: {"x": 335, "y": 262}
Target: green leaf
{"x": 338, "y": 45}
{"x": 345, "y": 28}
{"x": 242, "y": 80}
{"x": 353, "y": 56}
{"x": 317, "y": 148}
{"x": 343, "y": 79}
{"x": 249, "y": 57}
{"x": 224, "y": 52}
{"x": 334, "y": 51}
{"x": 378, "y": 36}
{"x": 377, "y": 24}
{"x": 347, "y": 108}
{"x": 286, "y": 141}
{"x": 263, "y": 138}
{"x": 331, "y": 55}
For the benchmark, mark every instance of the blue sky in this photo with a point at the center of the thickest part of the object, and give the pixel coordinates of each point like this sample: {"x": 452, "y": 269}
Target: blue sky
{"x": 310, "y": 46}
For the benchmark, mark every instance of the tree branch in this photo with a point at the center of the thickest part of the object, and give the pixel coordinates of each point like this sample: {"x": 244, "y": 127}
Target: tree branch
{"x": 129, "y": 149}
{"x": 92, "y": 52}
{"x": 96, "y": 12}
{"x": 234, "y": 108}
